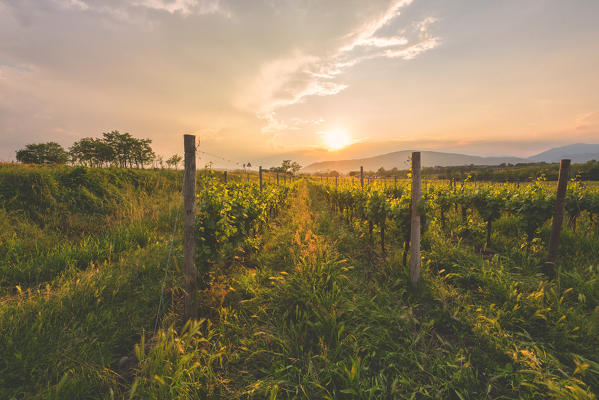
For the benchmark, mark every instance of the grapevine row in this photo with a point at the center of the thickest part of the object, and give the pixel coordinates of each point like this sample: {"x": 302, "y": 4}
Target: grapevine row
{"x": 229, "y": 215}
{"x": 390, "y": 207}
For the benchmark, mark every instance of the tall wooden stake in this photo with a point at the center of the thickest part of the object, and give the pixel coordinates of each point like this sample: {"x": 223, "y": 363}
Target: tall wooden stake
{"x": 225, "y": 176}
{"x": 362, "y": 177}
{"x": 277, "y": 178}
{"x": 415, "y": 221}
{"x": 189, "y": 205}
{"x": 260, "y": 174}
{"x": 558, "y": 215}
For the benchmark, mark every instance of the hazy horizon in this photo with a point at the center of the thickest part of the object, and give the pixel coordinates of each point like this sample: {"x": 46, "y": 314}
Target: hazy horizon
{"x": 264, "y": 80}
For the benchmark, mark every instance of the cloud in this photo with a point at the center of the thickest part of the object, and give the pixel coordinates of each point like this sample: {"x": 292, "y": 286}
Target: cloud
{"x": 128, "y": 8}
{"x": 274, "y": 125}
{"x": 157, "y": 68}
{"x": 413, "y": 51}
{"x": 185, "y": 7}
{"x": 293, "y": 78}
{"x": 366, "y": 31}
{"x": 587, "y": 122}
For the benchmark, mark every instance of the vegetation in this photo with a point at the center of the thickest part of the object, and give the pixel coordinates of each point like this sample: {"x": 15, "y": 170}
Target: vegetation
{"x": 287, "y": 167}
{"x": 43, "y": 153}
{"x": 527, "y": 172}
{"x": 113, "y": 149}
{"x": 304, "y": 291}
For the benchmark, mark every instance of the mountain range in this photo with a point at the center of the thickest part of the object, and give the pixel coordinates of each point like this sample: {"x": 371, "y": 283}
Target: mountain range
{"x": 579, "y": 152}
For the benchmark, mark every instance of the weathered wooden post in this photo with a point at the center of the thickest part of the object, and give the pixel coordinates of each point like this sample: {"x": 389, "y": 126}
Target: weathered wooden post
{"x": 225, "y": 176}
{"x": 189, "y": 205}
{"x": 336, "y": 182}
{"x": 415, "y": 221}
{"x": 260, "y": 176}
{"x": 362, "y": 177}
{"x": 277, "y": 178}
{"x": 558, "y": 216}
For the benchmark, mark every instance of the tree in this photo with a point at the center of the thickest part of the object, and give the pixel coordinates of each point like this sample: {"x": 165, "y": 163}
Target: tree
{"x": 174, "y": 161}
{"x": 115, "y": 149}
{"x": 287, "y": 167}
{"x": 92, "y": 152}
{"x": 122, "y": 147}
{"x": 43, "y": 153}
{"x": 295, "y": 167}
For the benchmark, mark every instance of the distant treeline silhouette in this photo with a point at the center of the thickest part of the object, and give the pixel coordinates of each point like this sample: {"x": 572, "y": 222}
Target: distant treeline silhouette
{"x": 524, "y": 172}
{"x": 113, "y": 149}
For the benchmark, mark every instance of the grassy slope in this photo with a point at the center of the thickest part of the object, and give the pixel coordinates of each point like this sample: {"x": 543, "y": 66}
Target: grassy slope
{"x": 80, "y": 286}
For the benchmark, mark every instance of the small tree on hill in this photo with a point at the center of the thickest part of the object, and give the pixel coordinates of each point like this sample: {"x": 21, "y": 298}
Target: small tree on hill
{"x": 43, "y": 153}
{"x": 174, "y": 161}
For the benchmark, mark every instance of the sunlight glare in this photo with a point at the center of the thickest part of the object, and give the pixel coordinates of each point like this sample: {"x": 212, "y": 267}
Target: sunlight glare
{"x": 336, "y": 139}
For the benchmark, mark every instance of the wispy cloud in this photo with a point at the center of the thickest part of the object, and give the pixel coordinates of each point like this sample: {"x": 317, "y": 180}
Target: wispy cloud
{"x": 292, "y": 79}
{"x": 587, "y": 122}
{"x": 128, "y": 7}
{"x": 185, "y": 6}
{"x": 367, "y": 30}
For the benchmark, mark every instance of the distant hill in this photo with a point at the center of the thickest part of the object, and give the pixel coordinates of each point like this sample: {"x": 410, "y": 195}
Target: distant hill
{"x": 399, "y": 159}
{"x": 578, "y": 153}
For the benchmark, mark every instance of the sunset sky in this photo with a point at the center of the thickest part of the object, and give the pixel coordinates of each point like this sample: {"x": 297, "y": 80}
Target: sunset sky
{"x": 261, "y": 79}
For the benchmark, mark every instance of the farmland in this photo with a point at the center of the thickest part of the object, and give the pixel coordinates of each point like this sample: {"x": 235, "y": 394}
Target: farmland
{"x": 304, "y": 289}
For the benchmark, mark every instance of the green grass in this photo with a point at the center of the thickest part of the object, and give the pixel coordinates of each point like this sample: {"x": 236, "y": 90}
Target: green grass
{"x": 313, "y": 311}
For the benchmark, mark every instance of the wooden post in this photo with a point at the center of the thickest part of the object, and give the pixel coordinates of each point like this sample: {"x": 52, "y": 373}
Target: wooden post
{"x": 362, "y": 177}
{"x": 260, "y": 176}
{"x": 277, "y": 178}
{"x": 415, "y": 221}
{"x": 189, "y": 205}
{"x": 558, "y": 215}
{"x": 336, "y": 181}
{"x": 225, "y": 176}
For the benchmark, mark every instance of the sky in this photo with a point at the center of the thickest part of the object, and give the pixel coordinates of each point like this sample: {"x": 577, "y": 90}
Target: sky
{"x": 263, "y": 80}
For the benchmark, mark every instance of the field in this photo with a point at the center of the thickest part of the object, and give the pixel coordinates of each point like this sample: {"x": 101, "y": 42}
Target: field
{"x": 304, "y": 289}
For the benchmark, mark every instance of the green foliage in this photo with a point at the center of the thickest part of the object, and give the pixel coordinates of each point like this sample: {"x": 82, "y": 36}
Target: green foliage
{"x": 298, "y": 303}
{"x": 227, "y": 215}
{"x": 114, "y": 149}
{"x": 43, "y": 153}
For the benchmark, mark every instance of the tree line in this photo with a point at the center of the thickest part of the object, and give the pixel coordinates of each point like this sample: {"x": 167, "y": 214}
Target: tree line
{"x": 522, "y": 172}
{"x": 113, "y": 149}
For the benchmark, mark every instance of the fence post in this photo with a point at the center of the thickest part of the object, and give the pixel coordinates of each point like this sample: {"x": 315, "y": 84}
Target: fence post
{"x": 558, "y": 216}
{"x": 336, "y": 181}
{"x": 260, "y": 175}
{"x": 362, "y": 177}
{"x": 277, "y": 178}
{"x": 225, "y": 176}
{"x": 189, "y": 205}
{"x": 415, "y": 221}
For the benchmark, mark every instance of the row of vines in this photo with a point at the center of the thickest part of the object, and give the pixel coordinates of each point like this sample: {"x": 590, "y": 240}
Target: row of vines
{"x": 230, "y": 215}
{"x": 387, "y": 208}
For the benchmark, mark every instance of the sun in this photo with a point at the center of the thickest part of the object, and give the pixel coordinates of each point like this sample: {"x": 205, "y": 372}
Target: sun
{"x": 336, "y": 139}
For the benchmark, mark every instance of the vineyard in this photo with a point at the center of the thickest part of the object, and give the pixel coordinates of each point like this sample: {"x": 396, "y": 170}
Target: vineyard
{"x": 303, "y": 288}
